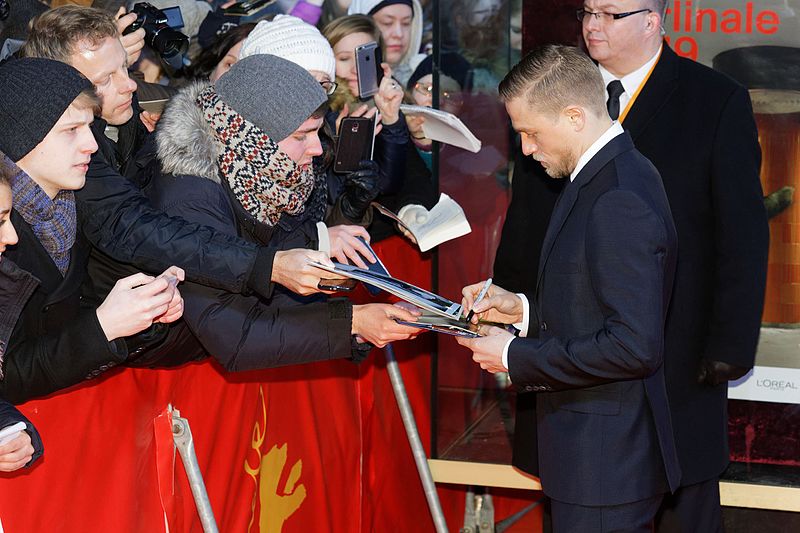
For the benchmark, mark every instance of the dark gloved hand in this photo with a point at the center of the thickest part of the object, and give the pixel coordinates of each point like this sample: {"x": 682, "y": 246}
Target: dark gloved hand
{"x": 716, "y": 372}
{"x": 360, "y": 188}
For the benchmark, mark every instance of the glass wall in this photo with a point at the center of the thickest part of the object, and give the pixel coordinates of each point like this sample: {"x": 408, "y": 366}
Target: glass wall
{"x": 479, "y": 41}
{"x": 757, "y": 43}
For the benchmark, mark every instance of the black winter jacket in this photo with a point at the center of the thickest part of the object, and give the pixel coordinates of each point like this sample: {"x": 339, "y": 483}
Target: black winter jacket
{"x": 56, "y": 340}
{"x": 120, "y": 222}
{"x": 241, "y": 332}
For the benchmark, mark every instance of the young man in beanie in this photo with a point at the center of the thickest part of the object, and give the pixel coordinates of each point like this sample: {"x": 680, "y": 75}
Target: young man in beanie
{"x": 237, "y": 156}
{"x": 292, "y": 39}
{"x": 116, "y": 217}
{"x": 58, "y": 340}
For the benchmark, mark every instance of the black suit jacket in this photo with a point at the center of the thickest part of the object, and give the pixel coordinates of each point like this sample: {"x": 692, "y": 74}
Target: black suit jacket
{"x": 604, "y": 283}
{"x": 697, "y": 127}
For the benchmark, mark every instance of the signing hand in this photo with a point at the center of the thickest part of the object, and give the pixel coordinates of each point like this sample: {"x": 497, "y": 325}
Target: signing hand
{"x": 149, "y": 120}
{"x": 488, "y": 351}
{"x": 498, "y": 305}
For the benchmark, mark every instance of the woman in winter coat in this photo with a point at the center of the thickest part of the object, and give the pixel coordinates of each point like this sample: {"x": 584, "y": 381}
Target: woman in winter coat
{"x": 237, "y": 156}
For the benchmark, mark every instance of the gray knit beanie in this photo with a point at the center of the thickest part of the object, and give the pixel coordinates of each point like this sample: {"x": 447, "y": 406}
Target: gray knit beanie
{"x": 34, "y": 93}
{"x": 274, "y": 94}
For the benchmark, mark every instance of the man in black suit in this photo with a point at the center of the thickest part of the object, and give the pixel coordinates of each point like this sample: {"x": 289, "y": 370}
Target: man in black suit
{"x": 606, "y": 452}
{"x": 697, "y": 128}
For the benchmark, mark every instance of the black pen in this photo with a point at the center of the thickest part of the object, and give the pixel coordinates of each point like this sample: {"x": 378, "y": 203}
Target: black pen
{"x": 481, "y": 294}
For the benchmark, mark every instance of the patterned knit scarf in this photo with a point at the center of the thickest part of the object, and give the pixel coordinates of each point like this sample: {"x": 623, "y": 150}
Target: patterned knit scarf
{"x": 264, "y": 179}
{"x": 53, "y": 221}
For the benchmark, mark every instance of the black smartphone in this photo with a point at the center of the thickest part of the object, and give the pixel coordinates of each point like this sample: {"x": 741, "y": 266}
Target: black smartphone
{"x": 368, "y": 69}
{"x": 356, "y": 139}
{"x": 337, "y": 284}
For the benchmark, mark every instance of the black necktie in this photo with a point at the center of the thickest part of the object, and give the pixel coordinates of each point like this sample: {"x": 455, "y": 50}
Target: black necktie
{"x": 615, "y": 89}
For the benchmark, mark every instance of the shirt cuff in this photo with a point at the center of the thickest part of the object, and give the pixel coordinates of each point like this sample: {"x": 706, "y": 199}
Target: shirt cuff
{"x": 526, "y": 315}
{"x": 323, "y": 238}
{"x": 505, "y": 352}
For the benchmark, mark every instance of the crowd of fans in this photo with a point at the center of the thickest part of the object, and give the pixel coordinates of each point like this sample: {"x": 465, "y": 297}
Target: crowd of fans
{"x": 117, "y": 166}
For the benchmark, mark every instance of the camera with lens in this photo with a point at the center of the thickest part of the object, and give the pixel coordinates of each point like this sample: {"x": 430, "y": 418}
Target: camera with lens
{"x": 5, "y": 9}
{"x": 161, "y": 31}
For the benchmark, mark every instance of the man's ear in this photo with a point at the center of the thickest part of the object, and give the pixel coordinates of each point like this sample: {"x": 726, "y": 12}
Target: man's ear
{"x": 653, "y": 22}
{"x": 576, "y": 116}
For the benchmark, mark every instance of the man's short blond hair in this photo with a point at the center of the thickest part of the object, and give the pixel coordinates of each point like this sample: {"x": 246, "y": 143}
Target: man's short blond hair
{"x": 56, "y": 34}
{"x": 554, "y": 77}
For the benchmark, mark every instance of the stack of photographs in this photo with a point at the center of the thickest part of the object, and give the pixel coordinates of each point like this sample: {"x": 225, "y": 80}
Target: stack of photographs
{"x": 439, "y": 313}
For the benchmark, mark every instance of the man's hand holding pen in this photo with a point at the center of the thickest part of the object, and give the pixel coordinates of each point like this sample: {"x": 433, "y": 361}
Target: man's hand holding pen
{"x": 498, "y": 304}
{"x": 490, "y": 303}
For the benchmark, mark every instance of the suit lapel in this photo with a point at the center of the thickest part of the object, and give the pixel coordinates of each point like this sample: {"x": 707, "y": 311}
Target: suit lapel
{"x": 569, "y": 195}
{"x": 655, "y": 93}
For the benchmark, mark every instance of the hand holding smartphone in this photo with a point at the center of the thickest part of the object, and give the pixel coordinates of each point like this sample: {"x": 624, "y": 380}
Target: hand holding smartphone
{"x": 368, "y": 69}
{"x": 356, "y": 141}
{"x": 9, "y": 433}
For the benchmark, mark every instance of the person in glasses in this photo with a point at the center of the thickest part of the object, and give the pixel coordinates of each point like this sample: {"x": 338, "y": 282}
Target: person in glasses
{"x": 696, "y": 126}
{"x": 453, "y": 81}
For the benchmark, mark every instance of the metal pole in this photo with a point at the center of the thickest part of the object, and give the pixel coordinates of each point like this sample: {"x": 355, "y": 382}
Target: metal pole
{"x": 417, "y": 450}
{"x": 183, "y": 440}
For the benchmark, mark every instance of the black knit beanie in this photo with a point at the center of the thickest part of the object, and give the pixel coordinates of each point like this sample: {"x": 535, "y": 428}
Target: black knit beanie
{"x": 34, "y": 93}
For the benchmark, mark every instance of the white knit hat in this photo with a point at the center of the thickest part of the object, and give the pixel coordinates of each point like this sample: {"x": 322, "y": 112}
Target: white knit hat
{"x": 294, "y": 40}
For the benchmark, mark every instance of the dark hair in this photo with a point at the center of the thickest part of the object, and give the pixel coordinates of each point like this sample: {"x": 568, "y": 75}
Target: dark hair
{"x": 207, "y": 61}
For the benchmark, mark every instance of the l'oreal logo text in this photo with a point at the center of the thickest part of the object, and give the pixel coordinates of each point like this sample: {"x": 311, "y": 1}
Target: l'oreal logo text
{"x": 776, "y": 385}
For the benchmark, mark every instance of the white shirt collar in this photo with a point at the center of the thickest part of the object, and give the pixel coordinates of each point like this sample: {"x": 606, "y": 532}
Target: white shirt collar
{"x": 604, "y": 139}
{"x": 631, "y": 81}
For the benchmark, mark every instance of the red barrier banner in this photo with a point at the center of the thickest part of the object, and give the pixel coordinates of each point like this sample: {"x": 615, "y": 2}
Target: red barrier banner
{"x": 316, "y": 447}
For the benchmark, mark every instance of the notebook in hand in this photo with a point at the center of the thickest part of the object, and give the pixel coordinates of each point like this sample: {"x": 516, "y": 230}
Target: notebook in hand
{"x": 446, "y": 221}
{"x": 444, "y": 127}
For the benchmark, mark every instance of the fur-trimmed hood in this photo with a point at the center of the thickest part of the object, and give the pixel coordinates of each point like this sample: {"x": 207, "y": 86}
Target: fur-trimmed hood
{"x": 185, "y": 141}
